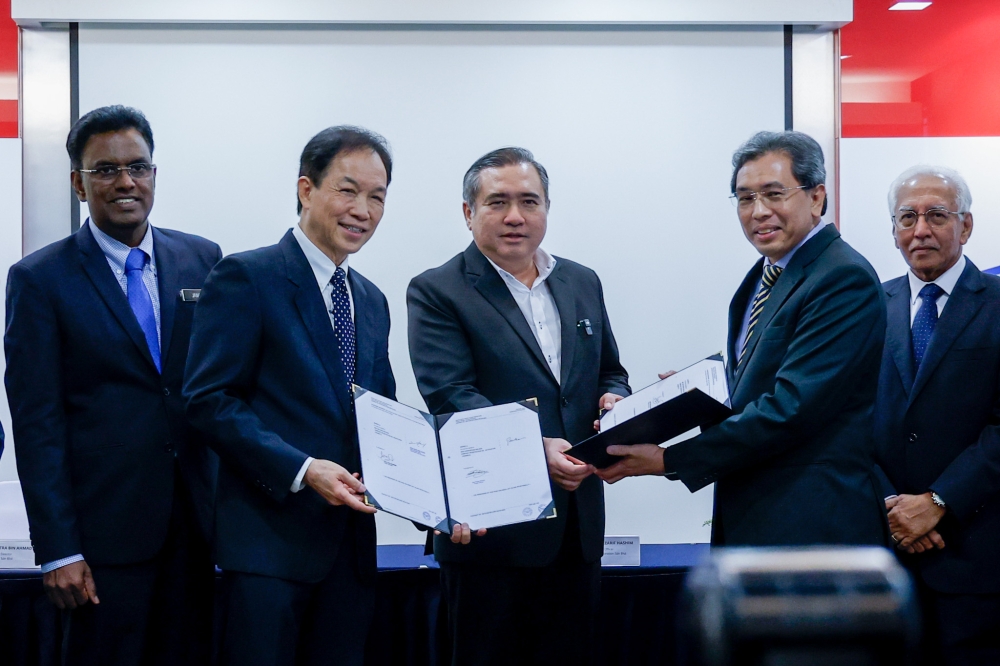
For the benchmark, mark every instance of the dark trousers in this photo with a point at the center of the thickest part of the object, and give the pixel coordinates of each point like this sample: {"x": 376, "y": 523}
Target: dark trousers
{"x": 275, "y": 622}
{"x": 507, "y": 615}
{"x": 960, "y": 629}
{"x": 153, "y": 613}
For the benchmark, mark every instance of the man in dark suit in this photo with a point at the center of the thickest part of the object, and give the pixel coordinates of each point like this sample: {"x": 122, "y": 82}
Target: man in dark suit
{"x": 937, "y": 418}
{"x": 504, "y": 321}
{"x": 794, "y": 464}
{"x": 117, "y": 485}
{"x": 280, "y": 335}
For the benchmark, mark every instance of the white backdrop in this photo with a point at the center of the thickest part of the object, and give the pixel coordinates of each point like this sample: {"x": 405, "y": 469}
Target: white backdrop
{"x": 10, "y": 253}
{"x": 868, "y": 167}
{"x": 636, "y": 129}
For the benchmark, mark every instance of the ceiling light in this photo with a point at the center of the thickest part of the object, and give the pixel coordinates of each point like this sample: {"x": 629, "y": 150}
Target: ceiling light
{"x": 909, "y": 6}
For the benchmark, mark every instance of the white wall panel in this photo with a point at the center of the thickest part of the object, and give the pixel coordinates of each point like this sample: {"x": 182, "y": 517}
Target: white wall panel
{"x": 10, "y": 253}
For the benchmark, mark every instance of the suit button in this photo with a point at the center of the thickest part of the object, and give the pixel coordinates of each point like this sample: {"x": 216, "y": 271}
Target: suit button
{"x": 166, "y": 391}
{"x": 913, "y": 437}
{"x": 565, "y": 402}
{"x": 168, "y": 448}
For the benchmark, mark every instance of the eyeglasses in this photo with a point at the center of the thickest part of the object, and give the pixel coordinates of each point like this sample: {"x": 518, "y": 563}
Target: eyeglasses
{"x": 935, "y": 217}
{"x": 772, "y": 196}
{"x": 108, "y": 172}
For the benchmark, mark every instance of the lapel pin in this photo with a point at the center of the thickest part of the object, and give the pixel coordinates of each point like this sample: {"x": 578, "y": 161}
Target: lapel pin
{"x": 585, "y": 325}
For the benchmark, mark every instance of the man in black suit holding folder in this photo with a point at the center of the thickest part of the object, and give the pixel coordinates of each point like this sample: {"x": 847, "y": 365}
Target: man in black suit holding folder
{"x": 500, "y": 322}
{"x": 793, "y": 466}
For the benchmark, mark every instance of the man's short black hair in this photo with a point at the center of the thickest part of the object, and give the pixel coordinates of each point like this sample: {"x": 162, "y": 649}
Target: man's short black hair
{"x": 323, "y": 148}
{"x": 495, "y": 159}
{"x": 100, "y": 121}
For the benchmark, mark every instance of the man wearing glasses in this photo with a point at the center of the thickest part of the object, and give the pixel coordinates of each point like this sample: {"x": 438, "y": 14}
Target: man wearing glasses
{"x": 937, "y": 418}
{"x": 793, "y": 466}
{"x": 117, "y": 485}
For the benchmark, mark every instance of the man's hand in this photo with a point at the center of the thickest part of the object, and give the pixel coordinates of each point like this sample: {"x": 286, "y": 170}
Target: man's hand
{"x": 566, "y": 471}
{"x": 929, "y": 541}
{"x": 70, "y": 586}
{"x": 636, "y": 460}
{"x": 463, "y": 533}
{"x": 606, "y": 403}
{"x": 911, "y": 517}
{"x": 336, "y": 485}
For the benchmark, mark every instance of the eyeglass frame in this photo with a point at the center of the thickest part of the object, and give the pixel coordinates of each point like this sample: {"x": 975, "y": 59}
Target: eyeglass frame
{"x": 735, "y": 197}
{"x": 940, "y": 209}
{"x": 118, "y": 171}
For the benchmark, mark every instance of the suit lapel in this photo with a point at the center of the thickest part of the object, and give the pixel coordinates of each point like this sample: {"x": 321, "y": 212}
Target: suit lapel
{"x": 489, "y": 283}
{"x": 897, "y": 338}
{"x": 168, "y": 262}
{"x": 96, "y": 266}
{"x": 565, "y": 298}
{"x": 962, "y": 306}
{"x": 311, "y": 307}
{"x": 364, "y": 327}
{"x": 737, "y": 310}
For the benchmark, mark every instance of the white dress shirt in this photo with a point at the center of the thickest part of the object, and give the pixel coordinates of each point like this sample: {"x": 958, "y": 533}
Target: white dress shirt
{"x": 116, "y": 253}
{"x": 323, "y": 268}
{"x": 782, "y": 264}
{"x": 539, "y": 308}
{"x": 946, "y": 281}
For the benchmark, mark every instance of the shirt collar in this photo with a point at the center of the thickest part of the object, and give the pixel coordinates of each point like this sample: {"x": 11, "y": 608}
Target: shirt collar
{"x": 783, "y": 262}
{"x": 322, "y": 266}
{"x": 544, "y": 262}
{"x": 946, "y": 280}
{"x": 117, "y": 251}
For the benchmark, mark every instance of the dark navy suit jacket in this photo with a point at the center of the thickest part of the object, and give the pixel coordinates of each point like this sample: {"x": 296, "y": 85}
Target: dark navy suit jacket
{"x": 97, "y": 428}
{"x": 794, "y": 465}
{"x": 938, "y": 429}
{"x": 471, "y": 347}
{"x": 265, "y": 379}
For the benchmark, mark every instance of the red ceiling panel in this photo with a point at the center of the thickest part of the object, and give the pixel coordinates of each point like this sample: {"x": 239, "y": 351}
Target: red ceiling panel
{"x": 934, "y": 72}
{"x": 8, "y": 73}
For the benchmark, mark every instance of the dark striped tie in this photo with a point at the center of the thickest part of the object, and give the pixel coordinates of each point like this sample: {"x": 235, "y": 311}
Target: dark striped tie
{"x": 771, "y": 274}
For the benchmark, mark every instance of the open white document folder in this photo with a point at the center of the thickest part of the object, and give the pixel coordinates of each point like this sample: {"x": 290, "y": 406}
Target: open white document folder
{"x": 708, "y": 376}
{"x": 485, "y": 467}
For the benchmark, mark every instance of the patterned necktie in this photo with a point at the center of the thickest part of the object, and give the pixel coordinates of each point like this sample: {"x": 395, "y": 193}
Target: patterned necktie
{"x": 925, "y": 321}
{"x": 343, "y": 325}
{"x": 771, "y": 274}
{"x": 141, "y": 304}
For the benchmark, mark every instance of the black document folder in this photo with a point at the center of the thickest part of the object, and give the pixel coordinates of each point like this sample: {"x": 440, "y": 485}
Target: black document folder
{"x": 660, "y": 424}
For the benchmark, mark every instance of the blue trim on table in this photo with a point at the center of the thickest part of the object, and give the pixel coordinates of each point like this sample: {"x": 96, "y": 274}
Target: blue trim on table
{"x": 652, "y": 556}
{"x": 993, "y": 271}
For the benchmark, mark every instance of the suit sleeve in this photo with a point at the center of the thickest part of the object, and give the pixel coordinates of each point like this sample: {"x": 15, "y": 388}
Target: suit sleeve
{"x": 974, "y": 476}
{"x": 613, "y": 378}
{"x": 383, "y": 367}
{"x": 220, "y": 375}
{"x": 838, "y": 339}
{"x": 34, "y": 381}
{"x": 440, "y": 352}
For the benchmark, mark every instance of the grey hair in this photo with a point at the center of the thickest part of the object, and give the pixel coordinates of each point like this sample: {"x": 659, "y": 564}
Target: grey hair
{"x": 804, "y": 152}
{"x": 501, "y": 157}
{"x": 962, "y": 194}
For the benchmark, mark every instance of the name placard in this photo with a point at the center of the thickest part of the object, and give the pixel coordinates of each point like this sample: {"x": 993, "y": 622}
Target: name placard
{"x": 621, "y": 551}
{"x": 16, "y": 554}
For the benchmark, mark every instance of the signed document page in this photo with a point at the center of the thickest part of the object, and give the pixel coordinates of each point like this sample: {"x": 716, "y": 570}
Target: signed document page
{"x": 495, "y": 467}
{"x": 399, "y": 459}
{"x": 709, "y": 376}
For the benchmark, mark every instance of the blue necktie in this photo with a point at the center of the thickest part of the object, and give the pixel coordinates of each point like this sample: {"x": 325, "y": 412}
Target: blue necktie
{"x": 343, "y": 325}
{"x": 141, "y": 304}
{"x": 925, "y": 321}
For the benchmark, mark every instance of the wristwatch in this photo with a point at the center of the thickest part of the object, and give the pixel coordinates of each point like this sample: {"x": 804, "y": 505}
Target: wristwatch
{"x": 937, "y": 500}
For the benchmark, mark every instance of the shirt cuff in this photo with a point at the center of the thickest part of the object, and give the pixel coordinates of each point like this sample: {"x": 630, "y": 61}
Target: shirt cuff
{"x": 59, "y": 564}
{"x": 297, "y": 484}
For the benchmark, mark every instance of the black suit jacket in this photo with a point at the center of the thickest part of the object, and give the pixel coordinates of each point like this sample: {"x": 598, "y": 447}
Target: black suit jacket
{"x": 471, "y": 347}
{"x": 938, "y": 429}
{"x": 265, "y": 379}
{"x": 97, "y": 428}
{"x": 794, "y": 465}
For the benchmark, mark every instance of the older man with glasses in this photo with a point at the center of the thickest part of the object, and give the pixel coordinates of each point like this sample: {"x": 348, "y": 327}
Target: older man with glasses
{"x": 793, "y": 466}
{"x": 937, "y": 418}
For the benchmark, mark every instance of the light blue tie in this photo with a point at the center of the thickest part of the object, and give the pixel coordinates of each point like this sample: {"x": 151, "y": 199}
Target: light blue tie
{"x": 141, "y": 304}
{"x": 925, "y": 321}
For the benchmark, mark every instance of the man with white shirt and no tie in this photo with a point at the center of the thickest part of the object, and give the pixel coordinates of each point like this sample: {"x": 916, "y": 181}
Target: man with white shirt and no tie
{"x": 281, "y": 334}
{"x": 504, "y": 321}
